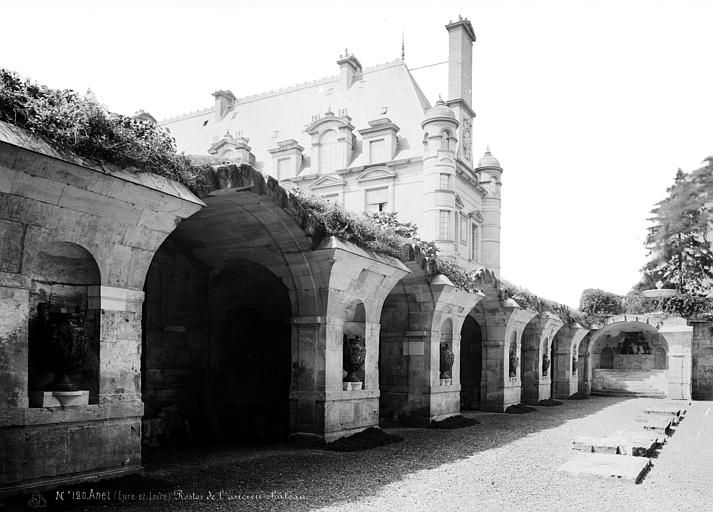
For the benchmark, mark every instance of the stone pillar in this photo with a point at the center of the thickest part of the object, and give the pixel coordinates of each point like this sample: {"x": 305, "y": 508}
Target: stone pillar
{"x": 504, "y": 327}
{"x": 678, "y": 335}
{"x": 702, "y": 360}
{"x": 347, "y": 275}
{"x": 566, "y": 381}
{"x": 14, "y": 315}
{"x": 120, "y": 342}
{"x": 537, "y": 345}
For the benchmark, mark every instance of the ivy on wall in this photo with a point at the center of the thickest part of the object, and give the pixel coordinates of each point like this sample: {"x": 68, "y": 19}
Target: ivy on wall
{"x": 79, "y": 124}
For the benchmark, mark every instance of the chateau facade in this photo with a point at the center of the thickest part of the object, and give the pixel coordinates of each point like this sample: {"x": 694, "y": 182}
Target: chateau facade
{"x": 370, "y": 140}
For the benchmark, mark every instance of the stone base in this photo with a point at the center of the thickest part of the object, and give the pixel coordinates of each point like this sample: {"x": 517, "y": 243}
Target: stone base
{"x": 59, "y": 398}
{"x": 643, "y": 383}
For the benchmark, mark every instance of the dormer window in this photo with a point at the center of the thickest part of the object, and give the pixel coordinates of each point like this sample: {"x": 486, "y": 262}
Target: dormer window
{"x": 377, "y": 151}
{"x": 332, "y": 142}
{"x": 328, "y": 151}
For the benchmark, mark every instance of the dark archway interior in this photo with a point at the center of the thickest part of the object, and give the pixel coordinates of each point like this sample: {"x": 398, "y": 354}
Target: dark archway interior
{"x": 65, "y": 281}
{"x": 217, "y": 350}
{"x": 471, "y": 362}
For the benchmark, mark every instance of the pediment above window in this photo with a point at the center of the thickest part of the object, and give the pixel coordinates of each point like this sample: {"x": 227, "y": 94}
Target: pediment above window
{"x": 377, "y": 173}
{"x": 329, "y": 120}
{"x": 459, "y": 202}
{"x": 229, "y": 142}
{"x": 327, "y": 181}
{"x": 476, "y": 215}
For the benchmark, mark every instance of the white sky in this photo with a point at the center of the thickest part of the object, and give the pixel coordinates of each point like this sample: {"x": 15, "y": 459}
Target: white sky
{"x": 590, "y": 106}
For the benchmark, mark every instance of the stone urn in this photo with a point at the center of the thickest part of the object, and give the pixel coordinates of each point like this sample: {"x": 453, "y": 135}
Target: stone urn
{"x": 354, "y": 356}
{"x": 68, "y": 344}
{"x": 545, "y": 364}
{"x": 514, "y": 361}
{"x": 446, "y": 365}
{"x": 575, "y": 363}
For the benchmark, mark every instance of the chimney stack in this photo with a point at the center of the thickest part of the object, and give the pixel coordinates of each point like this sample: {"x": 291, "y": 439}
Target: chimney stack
{"x": 460, "y": 60}
{"x": 349, "y": 65}
{"x": 460, "y": 84}
{"x": 223, "y": 100}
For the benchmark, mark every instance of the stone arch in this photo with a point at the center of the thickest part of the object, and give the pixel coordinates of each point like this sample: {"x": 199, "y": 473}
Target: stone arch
{"x": 622, "y": 357}
{"x": 420, "y": 312}
{"x": 537, "y": 356}
{"x": 250, "y": 218}
{"x": 64, "y": 287}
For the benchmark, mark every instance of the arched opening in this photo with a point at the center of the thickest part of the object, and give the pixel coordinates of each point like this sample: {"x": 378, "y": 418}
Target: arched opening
{"x": 216, "y": 362}
{"x": 445, "y": 353}
{"x": 529, "y": 364}
{"x": 471, "y": 361}
{"x": 445, "y": 139}
{"x": 354, "y": 346}
{"x": 629, "y": 358}
{"x": 513, "y": 358}
{"x": 64, "y": 325}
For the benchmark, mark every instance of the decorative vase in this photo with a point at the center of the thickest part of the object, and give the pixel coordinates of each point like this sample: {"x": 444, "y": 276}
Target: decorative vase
{"x": 354, "y": 356}
{"x": 447, "y": 358}
{"x": 69, "y": 343}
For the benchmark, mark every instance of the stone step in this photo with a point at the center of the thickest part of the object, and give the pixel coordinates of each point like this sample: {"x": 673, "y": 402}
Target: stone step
{"x": 630, "y": 443}
{"x": 606, "y": 465}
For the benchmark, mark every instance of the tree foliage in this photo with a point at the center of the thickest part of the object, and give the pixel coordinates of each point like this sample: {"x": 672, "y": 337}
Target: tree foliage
{"x": 679, "y": 247}
{"x": 594, "y": 301}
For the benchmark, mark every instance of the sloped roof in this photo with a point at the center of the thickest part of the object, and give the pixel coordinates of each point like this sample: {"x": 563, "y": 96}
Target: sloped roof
{"x": 284, "y": 114}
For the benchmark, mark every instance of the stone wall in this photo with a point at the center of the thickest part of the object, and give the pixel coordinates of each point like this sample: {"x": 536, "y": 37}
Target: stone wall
{"x": 702, "y": 356}
{"x": 78, "y": 237}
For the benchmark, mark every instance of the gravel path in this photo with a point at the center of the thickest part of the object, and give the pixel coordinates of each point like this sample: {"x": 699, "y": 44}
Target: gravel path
{"x": 507, "y": 463}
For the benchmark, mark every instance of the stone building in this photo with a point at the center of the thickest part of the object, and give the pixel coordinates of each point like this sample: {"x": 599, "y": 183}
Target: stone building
{"x": 369, "y": 139}
{"x": 228, "y": 315}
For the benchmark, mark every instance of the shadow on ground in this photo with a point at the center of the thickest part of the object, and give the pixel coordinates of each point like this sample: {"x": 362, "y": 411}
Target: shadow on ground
{"x": 230, "y": 477}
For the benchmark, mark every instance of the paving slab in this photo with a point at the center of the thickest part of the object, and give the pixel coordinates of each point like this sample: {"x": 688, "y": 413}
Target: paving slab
{"x": 676, "y": 413}
{"x": 606, "y": 465}
{"x": 637, "y": 444}
{"x": 661, "y": 425}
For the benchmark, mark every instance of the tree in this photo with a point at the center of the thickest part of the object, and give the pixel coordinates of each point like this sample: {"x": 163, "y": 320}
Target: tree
{"x": 678, "y": 241}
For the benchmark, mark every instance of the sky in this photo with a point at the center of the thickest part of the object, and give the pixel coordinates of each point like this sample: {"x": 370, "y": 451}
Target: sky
{"x": 590, "y": 106}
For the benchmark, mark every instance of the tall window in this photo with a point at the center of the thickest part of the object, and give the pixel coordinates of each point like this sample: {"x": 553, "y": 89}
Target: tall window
{"x": 463, "y": 230}
{"x": 475, "y": 244}
{"x": 283, "y": 165}
{"x": 444, "y": 221}
{"x": 445, "y": 182}
{"x": 328, "y": 151}
{"x": 377, "y": 151}
{"x": 377, "y": 200}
